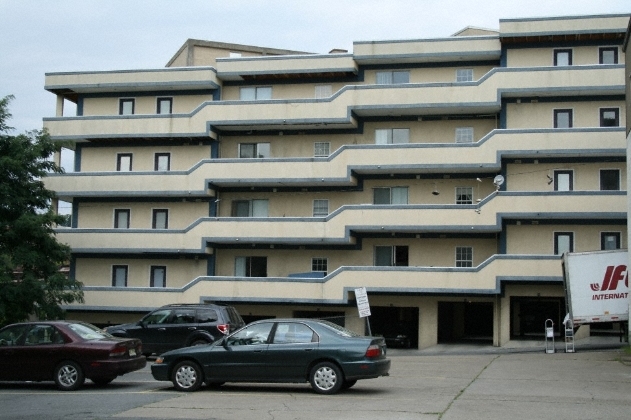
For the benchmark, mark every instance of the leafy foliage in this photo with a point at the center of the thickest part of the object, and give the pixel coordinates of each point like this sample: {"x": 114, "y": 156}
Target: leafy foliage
{"x": 30, "y": 256}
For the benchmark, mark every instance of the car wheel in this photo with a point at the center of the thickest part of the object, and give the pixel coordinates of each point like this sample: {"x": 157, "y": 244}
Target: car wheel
{"x": 326, "y": 378}
{"x": 187, "y": 376}
{"x": 200, "y": 342}
{"x": 102, "y": 381}
{"x": 348, "y": 384}
{"x": 69, "y": 376}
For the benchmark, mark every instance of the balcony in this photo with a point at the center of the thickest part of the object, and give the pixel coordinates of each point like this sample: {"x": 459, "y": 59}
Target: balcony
{"x": 484, "y": 280}
{"x": 483, "y": 96}
{"x": 339, "y": 227}
{"x": 342, "y": 166}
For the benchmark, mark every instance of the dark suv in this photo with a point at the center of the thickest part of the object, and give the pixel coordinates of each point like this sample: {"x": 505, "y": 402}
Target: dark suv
{"x": 180, "y": 325}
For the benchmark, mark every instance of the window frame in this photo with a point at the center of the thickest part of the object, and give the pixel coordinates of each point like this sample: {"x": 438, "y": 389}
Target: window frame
{"x": 570, "y": 114}
{"x": 119, "y": 161}
{"x": 616, "y": 119}
{"x": 570, "y": 174}
{"x": 318, "y": 211}
{"x": 464, "y": 135}
{"x": 464, "y": 256}
{"x": 160, "y": 100}
{"x": 152, "y": 277}
{"x": 116, "y": 267}
{"x": 257, "y": 150}
{"x": 121, "y": 106}
{"x": 391, "y": 195}
{"x": 390, "y": 135}
{"x": 603, "y": 240}
{"x": 248, "y": 264}
{"x": 601, "y": 183}
{"x": 257, "y": 90}
{"x": 557, "y": 235}
{"x": 117, "y": 213}
{"x": 464, "y": 75}
{"x": 154, "y": 214}
{"x": 397, "y": 254}
{"x": 320, "y": 265}
{"x": 557, "y": 52}
{"x": 392, "y": 77}
{"x": 601, "y": 57}
{"x": 156, "y": 161}
{"x": 323, "y": 91}
{"x": 321, "y": 149}
{"x": 459, "y": 194}
{"x": 235, "y": 207}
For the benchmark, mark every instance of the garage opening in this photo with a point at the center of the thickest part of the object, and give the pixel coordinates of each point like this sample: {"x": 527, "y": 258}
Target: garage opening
{"x": 529, "y": 314}
{"x": 468, "y": 322}
{"x": 399, "y": 326}
{"x": 338, "y": 318}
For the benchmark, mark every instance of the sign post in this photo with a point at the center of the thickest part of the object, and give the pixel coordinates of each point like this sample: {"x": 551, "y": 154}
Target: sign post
{"x": 361, "y": 296}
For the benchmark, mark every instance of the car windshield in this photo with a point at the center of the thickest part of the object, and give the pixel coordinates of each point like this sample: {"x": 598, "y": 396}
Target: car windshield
{"x": 88, "y": 331}
{"x": 339, "y": 330}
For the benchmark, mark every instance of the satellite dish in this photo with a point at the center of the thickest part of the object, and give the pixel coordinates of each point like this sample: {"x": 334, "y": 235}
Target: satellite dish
{"x": 498, "y": 181}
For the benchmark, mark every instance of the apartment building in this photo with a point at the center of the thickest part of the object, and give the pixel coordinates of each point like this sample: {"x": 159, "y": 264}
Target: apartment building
{"x": 446, "y": 176}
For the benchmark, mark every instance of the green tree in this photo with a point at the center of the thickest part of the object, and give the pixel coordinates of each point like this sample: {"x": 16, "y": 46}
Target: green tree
{"x": 30, "y": 256}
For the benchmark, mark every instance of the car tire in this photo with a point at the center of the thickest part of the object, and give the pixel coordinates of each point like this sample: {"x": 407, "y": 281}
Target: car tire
{"x": 69, "y": 376}
{"x": 187, "y": 376}
{"x": 326, "y": 378}
{"x": 102, "y": 381}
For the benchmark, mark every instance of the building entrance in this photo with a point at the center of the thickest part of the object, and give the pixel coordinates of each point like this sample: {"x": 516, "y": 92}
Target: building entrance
{"x": 465, "y": 322}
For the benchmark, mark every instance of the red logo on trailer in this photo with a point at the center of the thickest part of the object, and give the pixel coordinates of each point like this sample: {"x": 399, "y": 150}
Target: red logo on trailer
{"x": 613, "y": 276}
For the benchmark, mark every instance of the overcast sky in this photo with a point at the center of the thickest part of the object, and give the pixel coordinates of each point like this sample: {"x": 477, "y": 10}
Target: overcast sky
{"x": 40, "y": 36}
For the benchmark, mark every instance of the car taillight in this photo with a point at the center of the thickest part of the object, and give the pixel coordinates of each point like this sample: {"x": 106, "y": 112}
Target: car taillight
{"x": 223, "y": 328}
{"x": 118, "y": 351}
{"x": 373, "y": 350}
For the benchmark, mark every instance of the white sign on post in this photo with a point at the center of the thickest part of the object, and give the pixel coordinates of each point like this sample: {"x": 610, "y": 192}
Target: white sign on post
{"x": 362, "y": 302}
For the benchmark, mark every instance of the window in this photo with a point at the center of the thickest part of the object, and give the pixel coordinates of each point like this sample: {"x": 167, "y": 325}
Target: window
{"x": 319, "y": 264}
{"x": 389, "y": 256}
{"x": 255, "y": 93}
{"x": 464, "y": 135}
{"x": 164, "y": 105}
{"x": 390, "y": 195}
{"x": 254, "y": 150}
{"x": 250, "y": 267}
{"x": 321, "y": 148}
{"x": 562, "y": 118}
{"x": 323, "y": 91}
{"x": 464, "y": 256}
{"x": 160, "y": 219}
{"x": 123, "y": 162}
{"x": 126, "y": 106}
{"x": 393, "y": 77}
{"x": 563, "y": 180}
{"x": 464, "y": 75}
{"x": 464, "y": 195}
{"x": 608, "y": 55}
{"x": 609, "y": 179}
{"x": 562, "y": 57}
{"x": 251, "y": 335}
{"x": 392, "y": 136}
{"x": 293, "y": 333}
{"x": 158, "y": 276}
{"x": 119, "y": 275}
{"x": 609, "y": 240}
{"x": 43, "y": 334}
{"x": 563, "y": 242}
{"x": 121, "y": 218}
{"x": 162, "y": 162}
{"x": 250, "y": 208}
{"x": 235, "y": 54}
{"x": 609, "y": 117}
{"x": 320, "y": 208}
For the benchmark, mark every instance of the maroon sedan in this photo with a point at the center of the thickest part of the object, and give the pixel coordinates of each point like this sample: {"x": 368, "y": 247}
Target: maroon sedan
{"x": 66, "y": 352}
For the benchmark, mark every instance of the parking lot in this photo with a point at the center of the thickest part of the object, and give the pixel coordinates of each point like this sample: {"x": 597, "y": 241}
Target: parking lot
{"x": 422, "y": 385}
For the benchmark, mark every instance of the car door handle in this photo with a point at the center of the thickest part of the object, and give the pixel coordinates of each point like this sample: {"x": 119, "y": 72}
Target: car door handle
{"x": 162, "y": 329}
{"x": 192, "y": 328}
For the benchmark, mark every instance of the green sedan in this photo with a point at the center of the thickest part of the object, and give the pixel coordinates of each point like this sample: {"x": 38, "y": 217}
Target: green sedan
{"x": 328, "y": 356}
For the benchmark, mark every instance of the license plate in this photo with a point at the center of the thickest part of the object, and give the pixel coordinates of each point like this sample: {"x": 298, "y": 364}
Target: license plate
{"x": 132, "y": 352}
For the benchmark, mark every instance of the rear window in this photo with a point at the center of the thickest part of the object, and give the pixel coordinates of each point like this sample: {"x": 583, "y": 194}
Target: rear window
{"x": 89, "y": 332}
{"x": 339, "y": 330}
{"x": 235, "y": 318}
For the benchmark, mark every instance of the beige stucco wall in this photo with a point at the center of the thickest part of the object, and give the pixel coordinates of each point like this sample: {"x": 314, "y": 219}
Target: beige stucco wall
{"x": 541, "y": 115}
{"x": 536, "y": 177}
{"x": 534, "y": 57}
{"x": 101, "y": 215}
{"x": 103, "y": 159}
{"x": 539, "y": 239}
{"x": 182, "y": 104}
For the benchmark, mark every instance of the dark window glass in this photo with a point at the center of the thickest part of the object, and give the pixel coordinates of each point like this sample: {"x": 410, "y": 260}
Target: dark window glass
{"x": 609, "y": 180}
{"x": 609, "y": 117}
{"x": 609, "y": 240}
